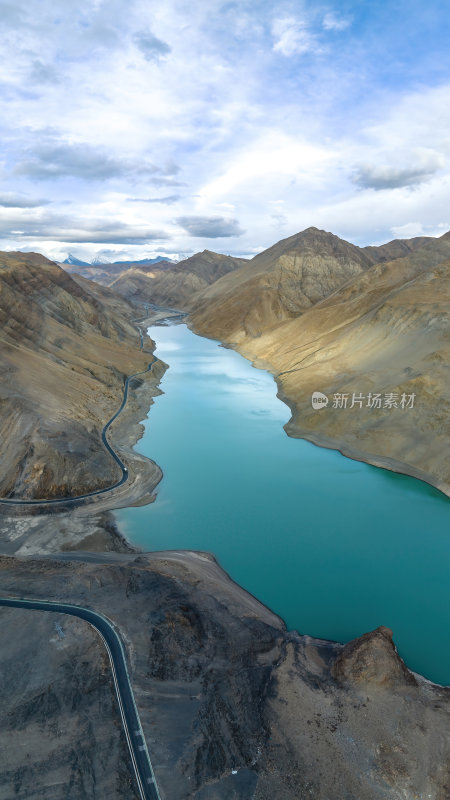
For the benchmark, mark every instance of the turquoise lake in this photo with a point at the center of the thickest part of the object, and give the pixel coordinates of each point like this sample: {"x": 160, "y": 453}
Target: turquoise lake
{"x": 334, "y": 546}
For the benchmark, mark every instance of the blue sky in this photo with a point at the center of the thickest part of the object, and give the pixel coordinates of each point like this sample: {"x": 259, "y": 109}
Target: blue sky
{"x": 133, "y": 128}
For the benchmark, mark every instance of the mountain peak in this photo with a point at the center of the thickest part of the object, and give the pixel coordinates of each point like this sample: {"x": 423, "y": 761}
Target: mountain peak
{"x": 74, "y": 261}
{"x": 318, "y": 234}
{"x": 99, "y": 260}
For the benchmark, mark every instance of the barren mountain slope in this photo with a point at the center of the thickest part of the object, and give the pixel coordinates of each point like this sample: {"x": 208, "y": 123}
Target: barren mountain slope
{"x": 386, "y": 332}
{"x": 64, "y": 354}
{"x": 171, "y": 289}
{"x": 176, "y": 287}
{"x": 398, "y": 248}
{"x": 116, "y": 304}
{"x": 278, "y": 284}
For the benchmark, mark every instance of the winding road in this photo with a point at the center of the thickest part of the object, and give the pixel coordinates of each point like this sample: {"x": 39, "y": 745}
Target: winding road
{"x": 117, "y": 459}
{"x": 140, "y": 758}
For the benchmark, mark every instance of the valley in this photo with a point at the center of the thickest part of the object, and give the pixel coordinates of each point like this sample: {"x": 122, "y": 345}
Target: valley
{"x": 232, "y": 702}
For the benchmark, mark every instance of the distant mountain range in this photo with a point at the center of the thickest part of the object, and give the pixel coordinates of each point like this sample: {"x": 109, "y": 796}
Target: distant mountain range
{"x": 73, "y": 261}
{"x": 107, "y": 272}
{"x": 177, "y": 285}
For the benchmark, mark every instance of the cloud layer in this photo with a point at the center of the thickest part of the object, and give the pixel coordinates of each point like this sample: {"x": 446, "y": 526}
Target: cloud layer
{"x": 413, "y": 172}
{"x": 152, "y": 126}
{"x": 53, "y": 159}
{"x": 210, "y": 227}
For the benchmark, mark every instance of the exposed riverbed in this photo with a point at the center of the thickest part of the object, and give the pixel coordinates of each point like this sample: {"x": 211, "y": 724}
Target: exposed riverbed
{"x": 334, "y": 546}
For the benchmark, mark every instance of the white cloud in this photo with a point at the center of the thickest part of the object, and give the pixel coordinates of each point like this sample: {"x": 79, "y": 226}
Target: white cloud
{"x": 270, "y": 160}
{"x": 11, "y": 200}
{"x": 25, "y": 225}
{"x": 293, "y": 37}
{"x": 49, "y": 159}
{"x": 408, "y": 230}
{"x": 332, "y": 22}
{"x": 363, "y": 219}
{"x": 239, "y": 103}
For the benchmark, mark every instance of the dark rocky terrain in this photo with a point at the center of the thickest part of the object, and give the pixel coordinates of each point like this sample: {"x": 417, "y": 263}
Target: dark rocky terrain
{"x": 61, "y": 733}
{"x": 232, "y": 705}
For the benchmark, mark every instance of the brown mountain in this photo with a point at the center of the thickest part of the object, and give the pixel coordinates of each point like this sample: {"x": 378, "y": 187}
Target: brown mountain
{"x": 177, "y": 286}
{"x": 107, "y": 273}
{"x": 65, "y": 349}
{"x": 385, "y": 331}
{"x": 398, "y": 248}
{"x": 278, "y": 284}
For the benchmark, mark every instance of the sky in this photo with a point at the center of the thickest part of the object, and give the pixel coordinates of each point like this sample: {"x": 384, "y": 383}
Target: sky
{"x": 133, "y": 128}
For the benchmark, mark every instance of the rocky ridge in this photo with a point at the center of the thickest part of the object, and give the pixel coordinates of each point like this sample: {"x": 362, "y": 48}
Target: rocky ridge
{"x": 105, "y": 272}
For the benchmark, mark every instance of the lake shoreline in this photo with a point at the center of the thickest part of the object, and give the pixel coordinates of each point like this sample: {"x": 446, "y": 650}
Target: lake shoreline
{"x": 157, "y": 520}
{"x": 127, "y": 433}
{"x": 273, "y": 710}
{"x": 294, "y": 431}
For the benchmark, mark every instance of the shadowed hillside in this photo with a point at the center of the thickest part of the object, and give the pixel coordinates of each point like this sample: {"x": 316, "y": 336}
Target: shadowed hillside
{"x": 178, "y": 286}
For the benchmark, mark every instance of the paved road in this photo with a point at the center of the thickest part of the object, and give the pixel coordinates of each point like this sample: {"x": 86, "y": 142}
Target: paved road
{"x": 130, "y": 718}
{"x": 117, "y": 459}
{"x": 79, "y": 498}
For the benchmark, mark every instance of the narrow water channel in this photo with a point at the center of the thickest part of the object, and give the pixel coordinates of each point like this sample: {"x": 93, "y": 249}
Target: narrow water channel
{"x": 334, "y": 546}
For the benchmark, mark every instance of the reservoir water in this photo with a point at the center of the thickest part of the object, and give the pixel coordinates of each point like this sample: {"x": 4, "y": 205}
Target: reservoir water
{"x": 334, "y": 546}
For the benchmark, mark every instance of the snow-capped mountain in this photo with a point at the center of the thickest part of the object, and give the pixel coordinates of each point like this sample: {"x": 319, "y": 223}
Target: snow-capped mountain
{"x": 74, "y": 261}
